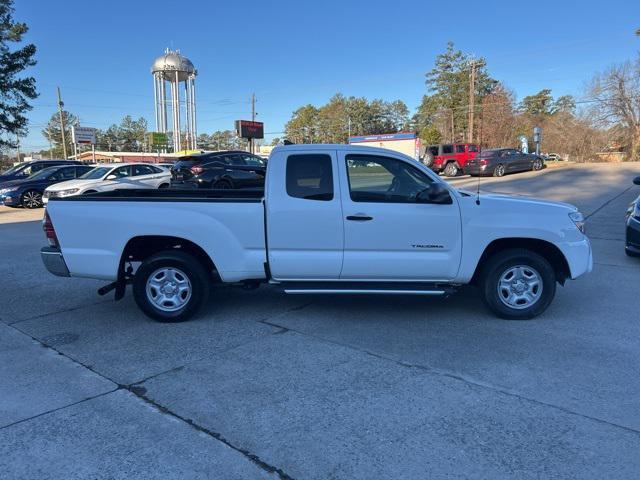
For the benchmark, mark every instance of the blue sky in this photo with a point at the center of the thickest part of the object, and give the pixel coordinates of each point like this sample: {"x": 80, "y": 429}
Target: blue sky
{"x": 298, "y": 52}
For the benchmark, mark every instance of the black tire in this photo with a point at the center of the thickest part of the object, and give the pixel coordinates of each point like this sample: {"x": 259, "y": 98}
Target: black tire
{"x": 503, "y": 262}
{"x": 499, "y": 171}
{"x": 31, "y": 199}
{"x": 187, "y": 266}
{"x": 537, "y": 165}
{"x": 451, "y": 169}
{"x": 222, "y": 185}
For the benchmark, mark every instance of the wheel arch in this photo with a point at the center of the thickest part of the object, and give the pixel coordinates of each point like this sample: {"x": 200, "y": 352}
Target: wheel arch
{"x": 139, "y": 248}
{"x": 542, "y": 247}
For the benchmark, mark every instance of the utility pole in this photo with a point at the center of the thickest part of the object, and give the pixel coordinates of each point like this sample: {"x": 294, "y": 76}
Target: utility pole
{"x": 472, "y": 99}
{"x": 64, "y": 141}
{"x": 253, "y": 118}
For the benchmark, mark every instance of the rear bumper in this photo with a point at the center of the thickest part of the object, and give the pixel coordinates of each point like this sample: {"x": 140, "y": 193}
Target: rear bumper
{"x": 54, "y": 261}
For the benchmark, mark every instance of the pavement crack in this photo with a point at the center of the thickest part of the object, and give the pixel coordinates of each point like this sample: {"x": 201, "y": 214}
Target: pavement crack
{"x": 140, "y": 392}
{"x": 587, "y": 217}
{"x": 58, "y": 409}
{"x": 467, "y": 380}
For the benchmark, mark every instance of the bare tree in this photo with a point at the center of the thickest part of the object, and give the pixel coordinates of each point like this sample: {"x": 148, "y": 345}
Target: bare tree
{"x": 498, "y": 118}
{"x": 616, "y": 94}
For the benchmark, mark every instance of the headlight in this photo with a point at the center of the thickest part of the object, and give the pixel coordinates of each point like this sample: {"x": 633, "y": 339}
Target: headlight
{"x": 66, "y": 193}
{"x": 7, "y": 190}
{"x": 578, "y": 219}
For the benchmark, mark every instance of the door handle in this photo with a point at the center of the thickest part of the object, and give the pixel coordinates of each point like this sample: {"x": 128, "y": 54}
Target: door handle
{"x": 359, "y": 218}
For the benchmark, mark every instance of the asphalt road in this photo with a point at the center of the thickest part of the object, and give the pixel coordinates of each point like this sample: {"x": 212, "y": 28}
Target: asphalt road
{"x": 262, "y": 385}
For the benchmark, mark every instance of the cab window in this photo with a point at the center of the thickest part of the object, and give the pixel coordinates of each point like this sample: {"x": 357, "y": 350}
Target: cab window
{"x": 310, "y": 177}
{"x": 382, "y": 179}
{"x": 459, "y": 148}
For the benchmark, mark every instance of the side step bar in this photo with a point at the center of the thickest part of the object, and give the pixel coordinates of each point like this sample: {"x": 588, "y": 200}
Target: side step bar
{"x": 367, "y": 288}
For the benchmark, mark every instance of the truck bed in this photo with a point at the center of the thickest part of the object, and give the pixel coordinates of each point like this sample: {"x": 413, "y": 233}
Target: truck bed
{"x": 94, "y": 229}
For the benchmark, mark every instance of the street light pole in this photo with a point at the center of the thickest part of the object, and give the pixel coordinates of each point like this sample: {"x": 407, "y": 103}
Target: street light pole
{"x": 64, "y": 142}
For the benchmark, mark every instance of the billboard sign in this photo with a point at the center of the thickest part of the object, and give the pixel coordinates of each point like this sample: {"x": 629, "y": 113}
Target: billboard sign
{"x": 83, "y": 135}
{"x": 158, "y": 139}
{"x": 249, "y": 129}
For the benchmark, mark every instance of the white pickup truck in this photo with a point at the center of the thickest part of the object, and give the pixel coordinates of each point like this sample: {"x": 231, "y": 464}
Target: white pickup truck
{"x": 332, "y": 219}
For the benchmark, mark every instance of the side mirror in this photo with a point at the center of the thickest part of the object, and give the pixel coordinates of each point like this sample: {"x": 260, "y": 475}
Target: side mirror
{"x": 436, "y": 193}
{"x": 111, "y": 177}
{"x": 636, "y": 181}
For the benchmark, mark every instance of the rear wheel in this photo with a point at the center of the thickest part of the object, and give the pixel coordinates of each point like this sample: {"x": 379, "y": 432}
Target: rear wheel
{"x": 499, "y": 171}
{"x": 428, "y": 159}
{"x": 537, "y": 165}
{"x": 451, "y": 169}
{"x": 517, "y": 284}
{"x": 171, "y": 286}
{"x": 31, "y": 199}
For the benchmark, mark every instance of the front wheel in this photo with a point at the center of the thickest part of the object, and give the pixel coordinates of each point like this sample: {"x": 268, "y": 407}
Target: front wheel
{"x": 32, "y": 199}
{"x": 171, "y": 286}
{"x": 517, "y": 284}
{"x": 537, "y": 165}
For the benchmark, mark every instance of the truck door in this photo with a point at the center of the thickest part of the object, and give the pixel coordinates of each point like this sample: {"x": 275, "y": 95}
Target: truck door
{"x": 305, "y": 232}
{"x": 388, "y": 234}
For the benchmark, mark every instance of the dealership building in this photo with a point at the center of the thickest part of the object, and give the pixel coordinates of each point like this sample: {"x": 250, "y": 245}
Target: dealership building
{"x": 404, "y": 142}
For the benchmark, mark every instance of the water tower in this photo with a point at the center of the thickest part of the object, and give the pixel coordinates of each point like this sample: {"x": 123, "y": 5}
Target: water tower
{"x": 176, "y": 70}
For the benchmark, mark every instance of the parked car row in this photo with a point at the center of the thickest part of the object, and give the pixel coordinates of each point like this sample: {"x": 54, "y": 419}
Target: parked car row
{"x": 68, "y": 178}
{"x": 467, "y": 158}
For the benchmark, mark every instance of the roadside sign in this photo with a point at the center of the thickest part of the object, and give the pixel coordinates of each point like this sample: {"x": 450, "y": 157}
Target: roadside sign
{"x": 83, "y": 135}
{"x": 249, "y": 129}
{"x": 158, "y": 139}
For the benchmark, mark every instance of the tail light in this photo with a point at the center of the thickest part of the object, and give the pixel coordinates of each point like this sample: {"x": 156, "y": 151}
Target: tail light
{"x": 196, "y": 169}
{"x": 483, "y": 162}
{"x": 49, "y": 231}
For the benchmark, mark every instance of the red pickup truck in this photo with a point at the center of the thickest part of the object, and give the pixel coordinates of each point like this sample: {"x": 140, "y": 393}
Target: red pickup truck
{"x": 449, "y": 158}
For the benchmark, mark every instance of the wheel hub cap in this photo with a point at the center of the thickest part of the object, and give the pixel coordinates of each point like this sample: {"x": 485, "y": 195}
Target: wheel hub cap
{"x": 168, "y": 289}
{"x": 520, "y": 287}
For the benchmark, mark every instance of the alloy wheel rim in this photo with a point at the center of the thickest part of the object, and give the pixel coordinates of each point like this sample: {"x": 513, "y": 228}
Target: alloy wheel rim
{"x": 500, "y": 170}
{"x": 520, "y": 287}
{"x": 168, "y": 289}
{"x": 32, "y": 199}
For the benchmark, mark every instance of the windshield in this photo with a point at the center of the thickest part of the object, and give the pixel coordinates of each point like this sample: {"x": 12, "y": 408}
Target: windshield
{"x": 14, "y": 169}
{"x": 96, "y": 173}
{"x": 43, "y": 174}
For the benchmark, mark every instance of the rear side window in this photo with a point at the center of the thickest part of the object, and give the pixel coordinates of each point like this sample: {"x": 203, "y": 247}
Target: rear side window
{"x": 459, "y": 148}
{"x": 447, "y": 149}
{"x": 473, "y": 148}
{"x": 310, "y": 177}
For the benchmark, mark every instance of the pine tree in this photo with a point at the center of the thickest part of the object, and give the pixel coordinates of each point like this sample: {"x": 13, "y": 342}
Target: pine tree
{"x": 15, "y": 91}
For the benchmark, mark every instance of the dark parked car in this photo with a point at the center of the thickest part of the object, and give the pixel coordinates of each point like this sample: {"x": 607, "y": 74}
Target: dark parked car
{"x": 632, "y": 244}
{"x": 28, "y": 192}
{"x": 499, "y": 161}
{"x": 26, "y": 169}
{"x": 224, "y": 170}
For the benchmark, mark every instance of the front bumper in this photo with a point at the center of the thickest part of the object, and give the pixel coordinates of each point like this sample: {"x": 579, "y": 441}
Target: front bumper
{"x": 9, "y": 200}
{"x": 632, "y": 244}
{"x": 54, "y": 261}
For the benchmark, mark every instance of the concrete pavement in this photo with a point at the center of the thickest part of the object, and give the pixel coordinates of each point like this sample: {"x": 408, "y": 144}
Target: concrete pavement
{"x": 265, "y": 385}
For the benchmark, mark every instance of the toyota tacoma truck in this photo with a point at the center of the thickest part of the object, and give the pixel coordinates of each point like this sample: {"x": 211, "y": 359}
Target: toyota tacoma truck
{"x": 331, "y": 219}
